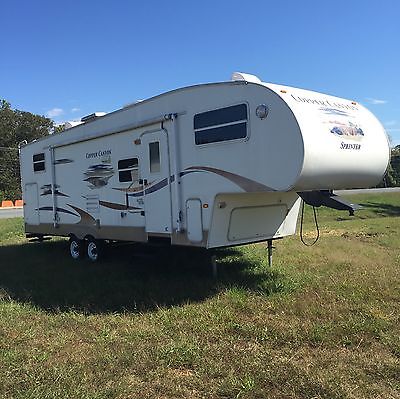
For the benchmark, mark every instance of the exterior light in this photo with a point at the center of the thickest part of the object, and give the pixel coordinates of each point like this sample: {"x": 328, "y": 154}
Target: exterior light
{"x": 262, "y": 111}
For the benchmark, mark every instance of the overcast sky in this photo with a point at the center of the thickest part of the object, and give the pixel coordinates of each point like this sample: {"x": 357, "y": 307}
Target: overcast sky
{"x": 68, "y": 59}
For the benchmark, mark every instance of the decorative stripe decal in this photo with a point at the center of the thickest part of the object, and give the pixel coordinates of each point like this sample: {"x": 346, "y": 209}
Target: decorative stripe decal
{"x": 155, "y": 187}
{"x": 61, "y": 210}
{"x": 57, "y": 193}
{"x": 133, "y": 189}
{"x": 118, "y": 207}
{"x": 246, "y": 184}
{"x": 86, "y": 218}
{"x": 62, "y": 161}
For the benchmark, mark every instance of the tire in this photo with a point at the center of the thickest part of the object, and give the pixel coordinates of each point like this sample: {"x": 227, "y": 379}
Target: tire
{"x": 93, "y": 250}
{"x": 76, "y": 248}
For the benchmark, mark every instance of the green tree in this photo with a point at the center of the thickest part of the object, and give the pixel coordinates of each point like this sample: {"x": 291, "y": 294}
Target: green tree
{"x": 15, "y": 127}
{"x": 392, "y": 178}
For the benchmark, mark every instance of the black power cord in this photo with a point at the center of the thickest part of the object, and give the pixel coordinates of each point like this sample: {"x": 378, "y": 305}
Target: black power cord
{"x": 301, "y": 226}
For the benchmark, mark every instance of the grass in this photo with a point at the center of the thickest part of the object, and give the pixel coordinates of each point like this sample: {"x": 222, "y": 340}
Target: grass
{"x": 324, "y": 322}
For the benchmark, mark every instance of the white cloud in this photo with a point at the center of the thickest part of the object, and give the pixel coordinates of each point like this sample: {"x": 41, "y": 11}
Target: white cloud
{"x": 375, "y": 101}
{"x": 75, "y": 109}
{"x": 52, "y": 113}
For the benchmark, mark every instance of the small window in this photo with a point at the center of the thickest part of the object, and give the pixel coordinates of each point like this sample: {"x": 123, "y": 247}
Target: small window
{"x": 154, "y": 151}
{"x": 223, "y": 124}
{"x": 39, "y": 162}
{"x": 128, "y": 170}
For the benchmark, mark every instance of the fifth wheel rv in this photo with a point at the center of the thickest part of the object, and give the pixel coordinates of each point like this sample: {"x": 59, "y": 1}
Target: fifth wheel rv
{"x": 211, "y": 165}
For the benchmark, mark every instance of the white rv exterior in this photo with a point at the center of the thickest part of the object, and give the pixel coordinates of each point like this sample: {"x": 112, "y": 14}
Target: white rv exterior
{"x": 211, "y": 165}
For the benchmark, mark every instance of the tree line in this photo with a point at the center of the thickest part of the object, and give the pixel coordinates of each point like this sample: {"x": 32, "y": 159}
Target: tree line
{"x": 15, "y": 127}
{"x": 18, "y": 126}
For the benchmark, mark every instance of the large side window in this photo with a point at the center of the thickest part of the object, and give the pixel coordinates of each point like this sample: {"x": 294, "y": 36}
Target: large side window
{"x": 222, "y": 124}
{"x": 128, "y": 169}
{"x": 39, "y": 162}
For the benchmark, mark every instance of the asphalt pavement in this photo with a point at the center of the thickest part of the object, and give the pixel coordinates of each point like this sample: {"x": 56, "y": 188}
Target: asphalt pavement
{"x": 6, "y": 213}
{"x": 368, "y": 191}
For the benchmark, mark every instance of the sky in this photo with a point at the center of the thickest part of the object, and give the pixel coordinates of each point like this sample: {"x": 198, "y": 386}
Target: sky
{"x": 67, "y": 59}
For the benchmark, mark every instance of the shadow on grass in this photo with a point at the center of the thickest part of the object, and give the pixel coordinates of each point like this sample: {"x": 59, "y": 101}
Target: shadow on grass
{"x": 382, "y": 209}
{"x": 131, "y": 278}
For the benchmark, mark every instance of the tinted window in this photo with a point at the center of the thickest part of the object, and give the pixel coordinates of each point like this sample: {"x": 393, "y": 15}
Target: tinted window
{"x": 223, "y": 133}
{"x": 38, "y": 157}
{"x": 125, "y": 175}
{"x": 38, "y": 162}
{"x": 127, "y": 163}
{"x": 223, "y": 124}
{"x": 128, "y": 170}
{"x": 154, "y": 151}
{"x": 38, "y": 166}
{"x": 220, "y": 116}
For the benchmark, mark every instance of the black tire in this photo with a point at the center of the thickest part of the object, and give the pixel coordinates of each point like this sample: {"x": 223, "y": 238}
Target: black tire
{"x": 76, "y": 248}
{"x": 94, "y": 250}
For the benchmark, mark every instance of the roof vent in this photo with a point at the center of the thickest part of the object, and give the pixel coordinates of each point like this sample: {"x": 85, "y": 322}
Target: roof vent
{"x": 91, "y": 117}
{"x": 246, "y": 77}
{"x": 71, "y": 124}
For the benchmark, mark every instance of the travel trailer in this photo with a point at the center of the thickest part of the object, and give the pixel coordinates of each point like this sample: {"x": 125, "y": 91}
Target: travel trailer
{"x": 211, "y": 165}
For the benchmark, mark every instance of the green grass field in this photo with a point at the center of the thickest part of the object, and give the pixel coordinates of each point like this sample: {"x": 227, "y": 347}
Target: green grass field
{"x": 323, "y": 322}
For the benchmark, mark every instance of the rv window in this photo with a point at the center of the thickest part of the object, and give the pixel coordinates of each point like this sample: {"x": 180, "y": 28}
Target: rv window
{"x": 221, "y": 116}
{"x": 154, "y": 151}
{"x": 38, "y": 162}
{"x": 128, "y": 169}
{"x": 223, "y": 124}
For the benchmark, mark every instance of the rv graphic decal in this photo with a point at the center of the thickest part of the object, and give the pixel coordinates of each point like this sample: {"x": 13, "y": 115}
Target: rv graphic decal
{"x": 244, "y": 183}
{"x": 151, "y": 188}
{"x": 62, "y": 161}
{"x": 133, "y": 189}
{"x": 101, "y": 153}
{"x": 334, "y": 111}
{"x": 61, "y": 210}
{"x": 119, "y": 207}
{"x": 46, "y": 190}
{"x": 350, "y": 130}
{"x": 98, "y": 175}
{"x": 324, "y": 102}
{"x": 347, "y": 146}
{"x": 86, "y": 218}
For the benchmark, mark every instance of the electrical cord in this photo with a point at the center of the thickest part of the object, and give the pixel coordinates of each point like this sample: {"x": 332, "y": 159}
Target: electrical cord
{"x": 301, "y": 227}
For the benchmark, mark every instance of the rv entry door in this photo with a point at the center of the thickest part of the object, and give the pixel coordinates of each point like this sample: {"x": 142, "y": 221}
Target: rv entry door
{"x": 31, "y": 204}
{"x": 155, "y": 176}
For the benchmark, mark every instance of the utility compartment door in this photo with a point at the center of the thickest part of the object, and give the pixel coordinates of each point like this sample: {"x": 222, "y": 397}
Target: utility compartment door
{"x": 31, "y": 204}
{"x": 155, "y": 177}
{"x": 194, "y": 220}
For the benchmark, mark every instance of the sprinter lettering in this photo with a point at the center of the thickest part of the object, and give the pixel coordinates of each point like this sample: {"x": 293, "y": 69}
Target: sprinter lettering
{"x": 347, "y": 146}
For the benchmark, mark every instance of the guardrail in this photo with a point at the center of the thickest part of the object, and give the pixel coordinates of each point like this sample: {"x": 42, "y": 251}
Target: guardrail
{"x": 9, "y": 204}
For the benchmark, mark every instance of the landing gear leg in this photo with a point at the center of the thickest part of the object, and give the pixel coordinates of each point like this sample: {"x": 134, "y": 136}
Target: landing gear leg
{"x": 269, "y": 247}
{"x": 214, "y": 268}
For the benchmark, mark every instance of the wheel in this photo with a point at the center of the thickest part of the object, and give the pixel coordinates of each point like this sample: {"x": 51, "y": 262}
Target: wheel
{"x": 75, "y": 248}
{"x": 93, "y": 250}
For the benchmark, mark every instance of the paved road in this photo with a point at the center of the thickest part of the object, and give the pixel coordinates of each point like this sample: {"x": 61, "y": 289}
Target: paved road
{"x": 11, "y": 213}
{"x": 368, "y": 191}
